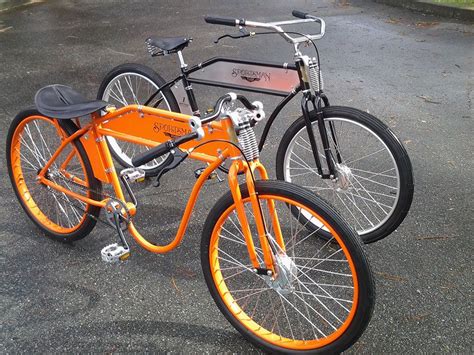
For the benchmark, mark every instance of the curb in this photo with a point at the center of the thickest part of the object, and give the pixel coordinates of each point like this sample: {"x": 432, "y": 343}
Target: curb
{"x": 434, "y": 9}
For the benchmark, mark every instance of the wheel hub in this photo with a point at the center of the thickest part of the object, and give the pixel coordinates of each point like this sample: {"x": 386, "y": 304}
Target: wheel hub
{"x": 344, "y": 177}
{"x": 49, "y": 174}
{"x": 286, "y": 274}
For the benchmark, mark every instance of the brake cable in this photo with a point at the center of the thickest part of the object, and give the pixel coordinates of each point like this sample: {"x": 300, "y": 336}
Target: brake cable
{"x": 252, "y": 34}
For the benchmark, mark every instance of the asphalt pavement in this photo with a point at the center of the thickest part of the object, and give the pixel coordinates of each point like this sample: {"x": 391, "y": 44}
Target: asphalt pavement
{"x": 414, "y": 72}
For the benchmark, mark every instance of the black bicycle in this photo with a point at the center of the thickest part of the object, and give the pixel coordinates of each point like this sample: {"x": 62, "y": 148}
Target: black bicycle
{"x": 343, "y": 154}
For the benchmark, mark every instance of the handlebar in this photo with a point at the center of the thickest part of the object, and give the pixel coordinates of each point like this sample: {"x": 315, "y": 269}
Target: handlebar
{"x": 162, "y": 149}
{"x": 275, "y": 26}
{"x": 224, "y": 21}
{"x": 220, "y": 103}
{"x": 299, "y": 14}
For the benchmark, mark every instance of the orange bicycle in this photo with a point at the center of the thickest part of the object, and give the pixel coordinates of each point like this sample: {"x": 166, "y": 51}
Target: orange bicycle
{"x": 280, "y": 285}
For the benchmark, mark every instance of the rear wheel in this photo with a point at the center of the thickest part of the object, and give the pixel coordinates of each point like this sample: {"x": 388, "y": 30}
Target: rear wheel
{"x": 32, "y": 140}
{"x": 134, "y": 84}
{"x": 322, "y": 296}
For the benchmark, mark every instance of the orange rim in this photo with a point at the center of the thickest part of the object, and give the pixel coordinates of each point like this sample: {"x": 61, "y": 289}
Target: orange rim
{"x": 258, "y": 329}
{"x": 22, "y": 186}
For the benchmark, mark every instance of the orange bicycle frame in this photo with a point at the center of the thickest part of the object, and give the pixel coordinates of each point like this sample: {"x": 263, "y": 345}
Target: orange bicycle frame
{"x": 149, "y": 127}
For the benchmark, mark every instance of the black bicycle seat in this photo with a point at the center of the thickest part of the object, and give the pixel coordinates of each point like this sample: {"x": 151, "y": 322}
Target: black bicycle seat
{"x": 60, "y": 101}
{"x": 169, "y": 43}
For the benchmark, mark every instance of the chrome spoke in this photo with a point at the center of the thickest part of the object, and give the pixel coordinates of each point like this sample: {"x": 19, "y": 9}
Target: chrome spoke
{"x": 369, "y": 192}
{"x": 364, "y": 157}
{"x": 322, "y": 292}
{"x": 323, "y": 296}
{"x": 127, "y": 88}
{"x": 37, "y": 142}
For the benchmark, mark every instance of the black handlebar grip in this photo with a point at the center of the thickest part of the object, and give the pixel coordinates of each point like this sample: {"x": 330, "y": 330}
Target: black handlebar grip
{"x": 151, "y": 154}
{"x": 299, "y": 14}
{"x": 161, "y": 149}
{"x": 225, "y": 21}
{"x": 186, "y": 138}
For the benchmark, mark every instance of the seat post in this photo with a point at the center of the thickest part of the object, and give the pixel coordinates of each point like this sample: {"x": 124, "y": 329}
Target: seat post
{"x": 181, "y": 60}
{"x": 188, "y": 87}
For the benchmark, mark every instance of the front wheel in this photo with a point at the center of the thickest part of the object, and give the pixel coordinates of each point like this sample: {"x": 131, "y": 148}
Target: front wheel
{"x": 373, "y": 189}
{"x": 322, "y": 296}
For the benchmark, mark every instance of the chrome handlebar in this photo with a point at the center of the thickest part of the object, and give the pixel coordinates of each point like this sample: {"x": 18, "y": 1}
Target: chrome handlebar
{"x": 277, "y": 27}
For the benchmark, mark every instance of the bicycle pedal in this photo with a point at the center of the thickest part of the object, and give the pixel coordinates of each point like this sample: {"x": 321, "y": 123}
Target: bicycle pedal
{"x": 114, "y": 253}
{"x": 133, "y": 174}
{"x": 212, "y": 176}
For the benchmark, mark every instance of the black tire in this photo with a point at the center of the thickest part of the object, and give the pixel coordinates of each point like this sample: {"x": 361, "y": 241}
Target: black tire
{"x": 395, "y": 147}
{"x": 282, "y": 189}
{"x": 86, "y": 225}
{"x": 149, "y": 74}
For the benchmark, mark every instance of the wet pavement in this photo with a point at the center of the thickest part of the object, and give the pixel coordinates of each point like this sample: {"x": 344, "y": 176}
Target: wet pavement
{"x": 415, "y": 72}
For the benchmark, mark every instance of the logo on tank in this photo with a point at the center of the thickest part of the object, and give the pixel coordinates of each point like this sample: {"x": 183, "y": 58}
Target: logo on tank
{"x": 250, "y": 75}
{"x": 170, "y": 130}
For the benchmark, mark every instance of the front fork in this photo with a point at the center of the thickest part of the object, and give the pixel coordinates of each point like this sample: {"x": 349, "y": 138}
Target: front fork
{"x": 315, "y": 100}
{"x": 269, "y": 249}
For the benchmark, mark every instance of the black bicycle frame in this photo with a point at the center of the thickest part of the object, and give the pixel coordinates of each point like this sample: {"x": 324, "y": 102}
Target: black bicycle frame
{"x": 257, "y": 76}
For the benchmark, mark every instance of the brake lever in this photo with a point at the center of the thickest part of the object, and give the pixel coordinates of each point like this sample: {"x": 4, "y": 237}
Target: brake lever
{"x": 174, "y": 158}
{"x": 244, "y": 33}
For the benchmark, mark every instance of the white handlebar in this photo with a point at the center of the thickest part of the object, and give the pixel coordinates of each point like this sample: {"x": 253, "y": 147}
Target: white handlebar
{"x": 276, "y": 26}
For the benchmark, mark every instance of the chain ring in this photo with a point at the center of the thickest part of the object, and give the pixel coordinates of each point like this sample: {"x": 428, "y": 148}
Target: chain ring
{"x": 115, "y": 206}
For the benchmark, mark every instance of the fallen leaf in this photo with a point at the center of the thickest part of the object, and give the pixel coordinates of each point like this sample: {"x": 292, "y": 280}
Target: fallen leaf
{"x": 343, "y": 3}
{"x": 393, "y": 21}
{"x": 417, "y": 317}
{"x": 428, "y": 99}
{"x": 117, "y": 52}
{"x": 426, "y": 24}
{"x": 441, "y": 237}
{"x": 407, "y": 141}
{"x": 6, "y": 29}
{"x": 390, "y": 277}
{"x": 174, "y": 284}
{"x": 185, "y": 272}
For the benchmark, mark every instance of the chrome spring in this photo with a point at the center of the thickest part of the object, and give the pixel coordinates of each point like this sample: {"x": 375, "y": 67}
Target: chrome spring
{"x": 153, "y": 50}
{"x": 248, "y": 143}
{"x": 315, "y": 76}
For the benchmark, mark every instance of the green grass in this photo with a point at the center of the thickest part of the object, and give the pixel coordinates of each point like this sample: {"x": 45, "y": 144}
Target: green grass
{"x": 456, "y": 2}
{"x": 461, "y": 4}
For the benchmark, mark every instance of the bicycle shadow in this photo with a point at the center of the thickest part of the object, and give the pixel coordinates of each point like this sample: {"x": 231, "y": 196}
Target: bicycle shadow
{"x": 181, "y": 332}
{"x": 143, "y": 336}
